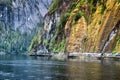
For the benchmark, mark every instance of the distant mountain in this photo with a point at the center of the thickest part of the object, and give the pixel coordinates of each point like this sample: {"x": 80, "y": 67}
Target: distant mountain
{"x": 20, "y": 20}
{"x": 23, "y": 14}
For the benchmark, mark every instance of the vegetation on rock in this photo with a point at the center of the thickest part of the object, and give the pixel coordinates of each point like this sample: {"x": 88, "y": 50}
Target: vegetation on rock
{"x": 117, "y": 48}
{"x": 85, "y": 26}
{"x": 54, "y": 6}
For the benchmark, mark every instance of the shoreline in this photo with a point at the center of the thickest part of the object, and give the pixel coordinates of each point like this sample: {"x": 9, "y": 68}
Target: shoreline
{"x": 78, "y": 55}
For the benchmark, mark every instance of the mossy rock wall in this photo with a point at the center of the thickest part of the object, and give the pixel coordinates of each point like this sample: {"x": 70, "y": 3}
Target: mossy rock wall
{"x": 85, "y": 26}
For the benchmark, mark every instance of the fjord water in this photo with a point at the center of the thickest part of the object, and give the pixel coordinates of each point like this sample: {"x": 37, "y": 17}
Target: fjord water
{"x": 36, "y": 68}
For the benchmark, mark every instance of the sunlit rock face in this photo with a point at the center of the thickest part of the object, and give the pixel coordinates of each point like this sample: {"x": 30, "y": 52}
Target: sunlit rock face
{"x": 102, "y": 33}
{"x": 23, "y": 14}
{"x": 91, "y": 26}
{"x": 103, "y": 37}
{"x": 76, "y": 36}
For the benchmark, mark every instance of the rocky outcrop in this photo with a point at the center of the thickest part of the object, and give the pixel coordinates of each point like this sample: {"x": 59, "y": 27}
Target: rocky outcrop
{"x": 86, "y": 26}
{"x": 104, "y": 29}
{"x": 102, "y": 32}
{"x": 77, "y": 36}
{"x": 50, "y": 34}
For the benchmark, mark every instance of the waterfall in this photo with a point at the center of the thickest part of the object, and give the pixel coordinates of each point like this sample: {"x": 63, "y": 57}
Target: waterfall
{"x": 111, "y": 36}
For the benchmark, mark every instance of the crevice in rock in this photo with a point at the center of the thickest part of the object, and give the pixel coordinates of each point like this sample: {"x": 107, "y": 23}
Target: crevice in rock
{"x": 111, "y": 36}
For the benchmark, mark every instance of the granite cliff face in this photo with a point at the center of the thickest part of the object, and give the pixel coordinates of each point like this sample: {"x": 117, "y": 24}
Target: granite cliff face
{"x": 19, "y": 22}
{"x": 23, "y": 14}
{"x": 81, "y": 26}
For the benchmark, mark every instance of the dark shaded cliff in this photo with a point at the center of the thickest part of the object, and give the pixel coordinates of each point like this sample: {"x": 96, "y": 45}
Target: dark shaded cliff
{"x": 20, "y": 20}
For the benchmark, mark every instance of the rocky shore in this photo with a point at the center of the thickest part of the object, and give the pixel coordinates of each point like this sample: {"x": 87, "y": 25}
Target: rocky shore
{"x": 78, "y": 56}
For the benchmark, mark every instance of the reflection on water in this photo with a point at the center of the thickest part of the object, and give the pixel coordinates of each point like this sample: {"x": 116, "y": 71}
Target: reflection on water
{"x": 105, "y": 70}
{"x": 30, "y": 68}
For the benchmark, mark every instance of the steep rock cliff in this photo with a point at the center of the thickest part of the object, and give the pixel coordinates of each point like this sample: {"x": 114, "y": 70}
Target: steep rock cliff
{"x": 83, "y": 26}
{"x": 19, "y": 21}
{"x": 102, "y": 36}
{"x": 102, "y": 32}
{"x": 50, "y": 34}
{"x": 23, "y": 14}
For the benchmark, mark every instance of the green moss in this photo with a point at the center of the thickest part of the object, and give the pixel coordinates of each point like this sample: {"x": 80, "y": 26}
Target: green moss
{"x": 61, "y": 25}
{"x": 55, "y": 47}
{"x": 72, "y": 6}
{"x": 36, "y": 40}
{"x": 118, "y": 40}
{"x": 83, "y": 0}
{"x": 59, "y": 47}
{"x": 54, "y": 6}
{"x": 31, "y": 47}
{"x": 63, "y": 19}
{"x": 99, "y": 22}
{"x": 117, "y": 45}
{"x": 79, "y": 4}
{"x": 90, "y": 1}
{"x": 94, "y": 9}
{"x": 79, "y": 15}
{"x": 118, "y": 1}
{"x": 83, "y": 14}
{"x": 103, "y": 7}
{"x": 114, "y": 52}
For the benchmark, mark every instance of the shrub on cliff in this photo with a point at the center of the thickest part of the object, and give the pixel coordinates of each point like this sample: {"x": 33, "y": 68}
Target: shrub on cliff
{"x": 54, "y": 6}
